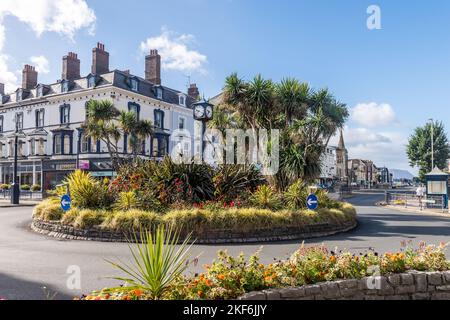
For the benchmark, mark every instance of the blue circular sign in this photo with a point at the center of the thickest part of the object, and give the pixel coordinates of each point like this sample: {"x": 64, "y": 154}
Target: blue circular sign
{"x": 312, "y": 202}
{"x": 65, "y": 202}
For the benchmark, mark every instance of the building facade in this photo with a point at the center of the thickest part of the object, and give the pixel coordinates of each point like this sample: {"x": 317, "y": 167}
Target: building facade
{"x": 48, "y": 119}
{"x": 328, "y": 163}
{"x": 363, "y": 173}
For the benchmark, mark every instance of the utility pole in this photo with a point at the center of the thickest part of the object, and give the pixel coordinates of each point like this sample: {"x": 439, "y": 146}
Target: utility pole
{"x": 432, "y": 144}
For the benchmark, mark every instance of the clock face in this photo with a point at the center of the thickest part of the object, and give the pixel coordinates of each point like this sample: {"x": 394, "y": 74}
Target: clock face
{"x": 209, "y": 112}
{"x": 199, "y": 112}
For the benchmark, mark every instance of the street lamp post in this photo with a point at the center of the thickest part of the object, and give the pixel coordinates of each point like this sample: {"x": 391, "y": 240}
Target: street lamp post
{"x": 15, "y": 195}
{"x": 432, "y": 144}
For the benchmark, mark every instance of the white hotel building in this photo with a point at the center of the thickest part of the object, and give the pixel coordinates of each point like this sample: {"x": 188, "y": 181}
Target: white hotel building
{"x": 49, "y": 118}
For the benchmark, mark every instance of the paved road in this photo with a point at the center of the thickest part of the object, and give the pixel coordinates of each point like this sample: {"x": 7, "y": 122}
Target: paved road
{"x": 29, "y": 261}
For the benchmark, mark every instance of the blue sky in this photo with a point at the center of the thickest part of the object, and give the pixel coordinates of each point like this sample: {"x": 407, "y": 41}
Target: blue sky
{"x": 392, "y": 79}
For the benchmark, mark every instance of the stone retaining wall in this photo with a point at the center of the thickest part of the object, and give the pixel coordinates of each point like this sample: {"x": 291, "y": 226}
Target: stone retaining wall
{"x": 55, "y": 229}
{"x": 409, "y": 286}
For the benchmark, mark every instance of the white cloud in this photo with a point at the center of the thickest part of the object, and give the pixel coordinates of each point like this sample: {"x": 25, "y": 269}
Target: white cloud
{"x": 384, "y": 148}
{"x": 373, "y": 114}
{"x": 64, "y": 17}
{"x": 42, "y": 64}
{"x": 175, "y": 51}
{"x": 6, "y": 76}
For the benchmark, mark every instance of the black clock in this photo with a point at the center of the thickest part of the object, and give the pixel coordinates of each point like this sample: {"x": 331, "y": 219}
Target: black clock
{"x": 203, "y": 111}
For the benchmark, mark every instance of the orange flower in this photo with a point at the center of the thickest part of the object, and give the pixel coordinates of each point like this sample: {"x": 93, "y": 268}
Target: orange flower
{"x": 137, "y": 292}
{"x": 221, "y": 277}
{"x": 208, "y": 282}
{"x": 261, "y": 266}
{"x": 332, "y": 259}
{"x": 200, "y": 293}
{"x": 268, "y": 279}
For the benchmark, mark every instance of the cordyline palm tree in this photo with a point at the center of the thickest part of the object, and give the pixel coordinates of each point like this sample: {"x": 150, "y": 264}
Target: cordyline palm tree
{"x": 307, "y": 120}
{"x": 106, "y": 123}
{"x": 292, "y": 98}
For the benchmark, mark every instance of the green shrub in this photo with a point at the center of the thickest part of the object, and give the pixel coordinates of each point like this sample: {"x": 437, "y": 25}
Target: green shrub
{"x": 266, "y": 198}
{"x": 86, "y": 192}
{"x": 192, "y": 220}
{"x": 148, "y": 201}
{"x": 70, "y": 216}
{"x": 325, "y": 201}
{"x": 25, "y": 187}
{"x": 48, "y": 210}
{"x": 88, "y": 218}
{"x": 126, "y": 201}
{"x": 38, "y": 210}
{"x": 35, "y": 188}
{"x": 5, "y": 186}
{"x": 133, "y": 220}
{"x": 296, "y": 195}
{"x": 230, "y": 181}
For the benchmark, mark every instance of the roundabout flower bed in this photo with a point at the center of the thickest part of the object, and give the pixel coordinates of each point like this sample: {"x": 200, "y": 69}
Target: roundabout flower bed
{"x": 215, "y": 205}
{"x": 205, "y": 225}
{"x": 311, "y": 273}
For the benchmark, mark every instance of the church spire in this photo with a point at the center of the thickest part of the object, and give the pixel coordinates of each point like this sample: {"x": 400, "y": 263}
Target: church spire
{"x": 341, "y": 141}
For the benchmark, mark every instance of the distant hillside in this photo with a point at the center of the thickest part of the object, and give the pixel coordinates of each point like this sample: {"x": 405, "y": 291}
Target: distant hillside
{"x": 402, "y": 174}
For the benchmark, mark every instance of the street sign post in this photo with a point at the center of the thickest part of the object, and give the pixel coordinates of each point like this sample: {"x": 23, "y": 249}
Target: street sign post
{"x": 312, "y": 202}
{"x": 65, "y": 202}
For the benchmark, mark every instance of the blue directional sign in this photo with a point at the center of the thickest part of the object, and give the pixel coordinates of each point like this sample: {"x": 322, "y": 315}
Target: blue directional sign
{"x": 65, "y": 202}
{"x": 312, "y": 202}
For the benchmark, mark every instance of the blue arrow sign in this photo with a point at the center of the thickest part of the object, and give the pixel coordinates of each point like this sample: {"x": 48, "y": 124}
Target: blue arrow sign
{"x": 65, "y": 202}
{"x": 312, "y": 202}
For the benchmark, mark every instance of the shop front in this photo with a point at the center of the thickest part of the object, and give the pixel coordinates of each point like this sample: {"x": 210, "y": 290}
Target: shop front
{"x": 55, "y": 171}
{"x": 30, "y": 173}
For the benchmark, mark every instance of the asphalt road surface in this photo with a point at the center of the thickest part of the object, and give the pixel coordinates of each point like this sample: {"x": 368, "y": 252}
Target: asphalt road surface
{"x": 29, "y": 262}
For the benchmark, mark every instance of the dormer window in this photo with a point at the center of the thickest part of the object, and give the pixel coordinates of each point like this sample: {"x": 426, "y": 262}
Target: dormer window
{"x": 92, "y": 81}
{"x": 19, "y": 95}
{"x": 65, "y": 86}
{"x": 159, "y": 93}
{"x": 182, "y": 100}
{"x": 134, "y": 84}
{"x": 40, "y": 91}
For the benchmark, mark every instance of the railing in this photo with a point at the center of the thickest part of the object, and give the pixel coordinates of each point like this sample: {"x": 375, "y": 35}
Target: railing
{"x": 411, "y": 200}
{"x": 24, "y": 195}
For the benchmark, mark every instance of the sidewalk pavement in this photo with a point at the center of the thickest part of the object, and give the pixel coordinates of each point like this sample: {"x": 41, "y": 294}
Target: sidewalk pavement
{"x": 434, "y": 212}
{"x": 23, "y": 203}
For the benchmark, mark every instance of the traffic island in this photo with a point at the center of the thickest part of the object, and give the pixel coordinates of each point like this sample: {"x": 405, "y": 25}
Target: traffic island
{"x": 230, "y": 226}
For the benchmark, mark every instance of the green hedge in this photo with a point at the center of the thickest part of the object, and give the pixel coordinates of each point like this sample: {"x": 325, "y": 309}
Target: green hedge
{"x": 196, "y": 220}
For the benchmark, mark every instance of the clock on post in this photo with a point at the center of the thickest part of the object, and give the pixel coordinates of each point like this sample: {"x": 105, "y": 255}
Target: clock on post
{"x": 203, "y": 111}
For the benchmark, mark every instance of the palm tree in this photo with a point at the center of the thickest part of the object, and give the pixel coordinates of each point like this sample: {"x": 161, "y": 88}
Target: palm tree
{"x": 292, "y": 98}
{"x": 105, "y": 123}
{"x": 307, "y": 120}
{"x": 100, "y": 125}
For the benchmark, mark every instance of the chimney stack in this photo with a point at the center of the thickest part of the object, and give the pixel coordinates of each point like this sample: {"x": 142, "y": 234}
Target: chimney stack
{"x": 100, "y": 59}
{"x": 193, "y": 91}
{"x": 71, "y": 67}
{"x": 2, "y": 89}
{"x": 29, "y": 77}
{"x": 153, "y": 67}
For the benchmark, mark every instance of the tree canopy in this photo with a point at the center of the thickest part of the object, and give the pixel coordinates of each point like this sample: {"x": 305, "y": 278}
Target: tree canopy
{"x": 307, "y": 119}
{"x": 419, "y": 148}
